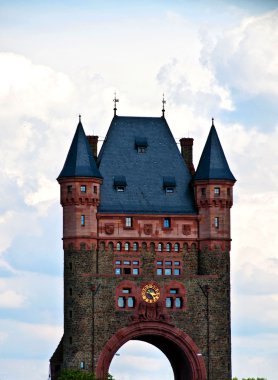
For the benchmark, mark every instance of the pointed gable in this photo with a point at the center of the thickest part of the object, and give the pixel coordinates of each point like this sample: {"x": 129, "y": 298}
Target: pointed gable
{"x": 80, "y": 161}
{"x": 142, "y": 152}
{"x": 213, "y": 163}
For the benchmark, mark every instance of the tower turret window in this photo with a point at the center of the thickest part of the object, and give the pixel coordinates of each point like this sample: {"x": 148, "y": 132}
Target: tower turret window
{"x": 216, "y": 191}
{"x": 203, "y": 191}
{"x": 82, "y": 220}
{"x": 128, "y": 222}
{"x": 167, "y": 223}
{"x": 69, "y": 188}
{"x": 95, "y": 189}
{"x": 216, "y": 222}
{"x": 83, "y": 188}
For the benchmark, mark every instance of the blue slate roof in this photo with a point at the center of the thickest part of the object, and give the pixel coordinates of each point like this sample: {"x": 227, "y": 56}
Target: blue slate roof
{"x": 143, "y": 171}
{"x": 213, "y": 163}
{"x": 80, "y": 161}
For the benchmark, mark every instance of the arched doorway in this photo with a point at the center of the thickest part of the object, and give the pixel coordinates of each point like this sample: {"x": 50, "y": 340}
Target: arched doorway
{"x": 183, "y": 354}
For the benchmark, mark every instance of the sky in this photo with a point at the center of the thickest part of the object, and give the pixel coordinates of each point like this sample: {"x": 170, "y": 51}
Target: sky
{"x": 59, "y": 59}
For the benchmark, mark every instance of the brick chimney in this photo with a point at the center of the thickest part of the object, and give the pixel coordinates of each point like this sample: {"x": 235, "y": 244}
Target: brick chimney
{"x": 187, "y": 153}
{"x": 93, "y": 141}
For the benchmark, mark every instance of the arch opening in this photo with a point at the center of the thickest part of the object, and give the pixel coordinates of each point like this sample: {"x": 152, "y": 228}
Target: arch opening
{"x": 183, "y": 354}
{"x": 139, "y": 360}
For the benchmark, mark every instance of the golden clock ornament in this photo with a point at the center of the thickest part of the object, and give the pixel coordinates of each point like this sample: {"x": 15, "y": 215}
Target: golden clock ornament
{"x": 150, "y": 293}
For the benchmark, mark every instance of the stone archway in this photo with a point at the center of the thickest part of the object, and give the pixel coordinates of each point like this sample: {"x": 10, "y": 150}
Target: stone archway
{"x": 181, "y": 351}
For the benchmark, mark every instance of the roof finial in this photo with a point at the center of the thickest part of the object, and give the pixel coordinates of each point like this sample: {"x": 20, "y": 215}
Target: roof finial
{"x": 163, "y": 103}
{"x": 115, "y": 100}
{"x": 212, "y": 122}
{"x": 79, "y": 118}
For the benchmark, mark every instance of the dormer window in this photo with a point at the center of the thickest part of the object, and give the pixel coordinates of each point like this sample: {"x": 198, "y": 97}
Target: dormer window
{"x": 169, "y": 184}
{"x": 120, "y": 189}
{"x": 120, "y": 183}
{"x": 169, "y": 189}
{"x": 141, "y": 144}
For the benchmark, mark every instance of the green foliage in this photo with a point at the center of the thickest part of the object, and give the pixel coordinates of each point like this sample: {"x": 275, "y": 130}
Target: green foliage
{"x": 71, "y": 374}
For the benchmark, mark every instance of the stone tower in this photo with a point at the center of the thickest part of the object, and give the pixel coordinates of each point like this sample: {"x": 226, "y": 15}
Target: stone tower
{"x": 146, "y": 250}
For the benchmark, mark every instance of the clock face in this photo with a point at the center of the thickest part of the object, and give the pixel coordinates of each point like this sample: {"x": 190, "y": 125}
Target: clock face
{"x": 150, "y": 293}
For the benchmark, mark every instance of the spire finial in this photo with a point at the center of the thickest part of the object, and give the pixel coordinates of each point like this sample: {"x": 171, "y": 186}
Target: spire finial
{"x": 115, "y": 100}
{"x": 212, "y": 122}
{"x": 79, "y": 118}
{"x": 163, "y": 103}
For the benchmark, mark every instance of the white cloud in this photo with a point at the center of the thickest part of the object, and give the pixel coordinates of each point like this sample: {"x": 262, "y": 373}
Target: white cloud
{"x": 245, "y": 57}
{"x": 16, "y": 369}
{"x": 192, "y": 84}
{"x": 256, "y": 356}
{"x": 11, "y": 299}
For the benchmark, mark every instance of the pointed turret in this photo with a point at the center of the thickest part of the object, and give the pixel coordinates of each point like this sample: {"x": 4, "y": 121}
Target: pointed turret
{"x": 213, "y": 185}
{"x": 213, "y": 163}
{"x": 80, "y": 161}
{"x": 80, "y": 182}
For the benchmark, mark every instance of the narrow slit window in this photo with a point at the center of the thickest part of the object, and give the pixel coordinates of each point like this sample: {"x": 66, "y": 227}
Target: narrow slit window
{"x": 128, "y": 221}
{"x": 217, "y": 191}
{"x": 167, "y": 223}
{"x": 82, "y": 219}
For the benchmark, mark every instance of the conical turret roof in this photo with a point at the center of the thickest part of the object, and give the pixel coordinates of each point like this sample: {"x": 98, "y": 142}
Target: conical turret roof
{"x": 213, "y": 163}
{"x": 80, "y": 161}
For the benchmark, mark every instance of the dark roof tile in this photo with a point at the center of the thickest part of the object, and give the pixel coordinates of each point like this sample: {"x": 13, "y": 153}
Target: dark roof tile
{"x": 213, "y": 163}
{"x": 80, "y": 161}
{"x": 144, "y": 172}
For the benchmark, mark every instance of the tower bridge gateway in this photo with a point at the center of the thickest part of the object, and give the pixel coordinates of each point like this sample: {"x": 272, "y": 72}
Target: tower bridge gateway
{"x": 146, "y": 242}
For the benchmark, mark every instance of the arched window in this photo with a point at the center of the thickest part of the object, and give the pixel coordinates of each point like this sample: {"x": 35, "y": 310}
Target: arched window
{"x": 126, "y": 246}
{"x": 135, "y": 246}
{"x": 168, "y": 247}
{"x": 193, "y": 247}
{"x": 185, "y": 247}
{"x": 176, "y": 247}
{"x": 160, "y": 247}
{"x": 144, "y": 246}
{"x": 111, "y": 246}
{"x": 119, "y": 246}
